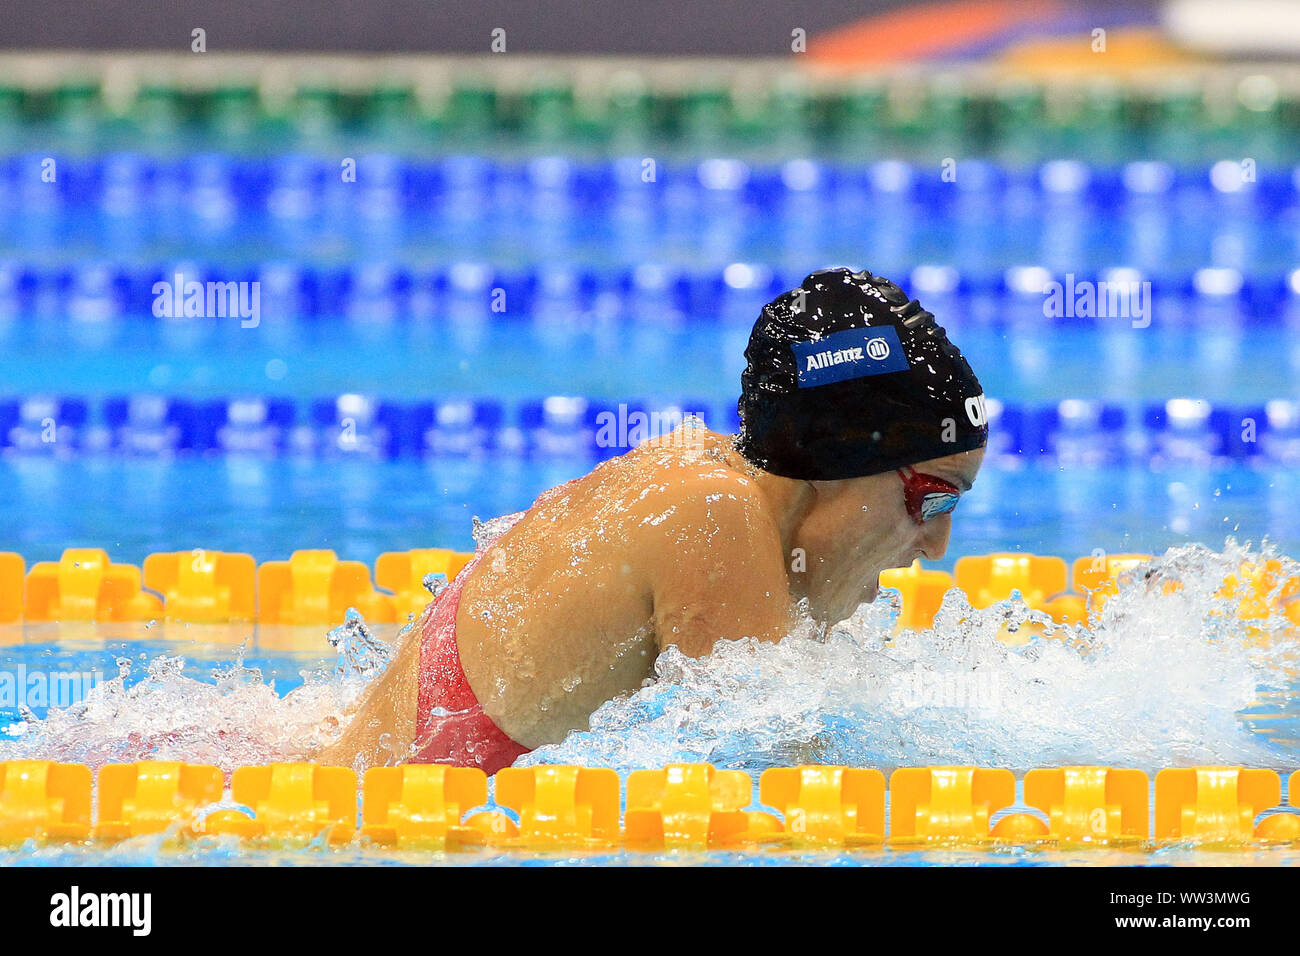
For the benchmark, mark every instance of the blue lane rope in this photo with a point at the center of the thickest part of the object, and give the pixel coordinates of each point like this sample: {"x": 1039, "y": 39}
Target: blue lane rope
{"x": 570, "y": 427}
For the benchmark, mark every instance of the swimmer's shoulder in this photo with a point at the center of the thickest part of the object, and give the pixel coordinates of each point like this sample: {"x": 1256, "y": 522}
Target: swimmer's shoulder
{"x": 705, "y": 495}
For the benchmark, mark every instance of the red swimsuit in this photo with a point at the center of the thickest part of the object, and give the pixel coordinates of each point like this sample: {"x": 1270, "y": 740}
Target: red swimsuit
{"x": 450, "y": 725}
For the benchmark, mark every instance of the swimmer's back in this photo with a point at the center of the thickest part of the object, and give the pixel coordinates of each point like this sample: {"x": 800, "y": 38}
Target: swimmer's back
{"x": 668, "y": 544}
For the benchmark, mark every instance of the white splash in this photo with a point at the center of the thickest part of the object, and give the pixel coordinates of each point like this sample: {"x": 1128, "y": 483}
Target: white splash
{"x": 1158, "y": 681}
{"x": 236, "y": 719}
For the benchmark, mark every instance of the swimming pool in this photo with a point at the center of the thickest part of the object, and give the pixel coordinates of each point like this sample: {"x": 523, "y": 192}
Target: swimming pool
{"x": 379, "y": 399}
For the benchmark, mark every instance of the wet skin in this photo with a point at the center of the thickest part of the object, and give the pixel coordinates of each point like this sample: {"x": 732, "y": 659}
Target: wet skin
{"x": 679, "y": 542}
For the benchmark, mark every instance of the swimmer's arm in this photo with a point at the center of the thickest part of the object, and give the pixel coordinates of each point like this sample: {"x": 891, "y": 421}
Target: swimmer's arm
{"x": 722, "y": 576}
{"x": 388, "y": 707}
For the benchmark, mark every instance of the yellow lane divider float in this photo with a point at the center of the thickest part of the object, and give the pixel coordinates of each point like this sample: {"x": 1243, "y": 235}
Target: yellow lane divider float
{"x": 1090, "y": 804}
{"x": 44, "y": 801}
{"x": 825, "y": 806}
{"x": 289, "y": 801}
{"x": 12, "y": 571}
{"x": 558, "y": 807}
{"x": 690, "y": 807}
{"x": 315, "y": 588}
{"x": 312, "y": 588}
{"x": 990, "y": 578}
{"x": 422, "y": 806}
{"x": 403, "y": 573}
{"x": 204, "y": 587}
{"x": 946, "y": 805}
{"x": 682, "y": 806}
{"x": 136, "y": 799}
{"x": 84, "y": 585}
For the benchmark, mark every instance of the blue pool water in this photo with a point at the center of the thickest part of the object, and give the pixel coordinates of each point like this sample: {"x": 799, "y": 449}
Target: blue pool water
{"x": 1101, "y": 488}
{"x": 620, "y": 291}
{"x": 708, "y": 212}
{"x": 617, "y": 358}
{"x": 361, "y": 509}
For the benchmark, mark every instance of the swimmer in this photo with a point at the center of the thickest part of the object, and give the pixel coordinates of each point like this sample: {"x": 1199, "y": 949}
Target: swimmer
{"x": 861, "y": 427}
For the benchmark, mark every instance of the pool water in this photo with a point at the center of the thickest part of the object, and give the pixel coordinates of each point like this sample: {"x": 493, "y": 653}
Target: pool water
{"x": 142, "y": 852}
{"x": 361, "y": 509}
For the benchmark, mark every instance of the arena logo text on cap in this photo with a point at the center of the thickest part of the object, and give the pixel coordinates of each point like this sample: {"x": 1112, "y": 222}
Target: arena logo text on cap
{"x": 849, "y": 354}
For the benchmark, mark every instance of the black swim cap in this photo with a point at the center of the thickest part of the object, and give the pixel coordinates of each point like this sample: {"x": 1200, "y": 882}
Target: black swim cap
{"x": 847, "y": 377}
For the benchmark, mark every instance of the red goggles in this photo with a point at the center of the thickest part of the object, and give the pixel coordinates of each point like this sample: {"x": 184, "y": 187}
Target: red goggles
{"x": 927, "y": 496}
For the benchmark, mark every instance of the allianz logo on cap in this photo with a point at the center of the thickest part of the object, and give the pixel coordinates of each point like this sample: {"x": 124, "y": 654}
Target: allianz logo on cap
{"x": 878, "y": 349}
{"x": 851, "y": 353}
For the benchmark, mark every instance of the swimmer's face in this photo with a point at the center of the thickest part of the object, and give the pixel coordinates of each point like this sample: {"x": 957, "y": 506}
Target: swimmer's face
{"x": 860, "y": 527}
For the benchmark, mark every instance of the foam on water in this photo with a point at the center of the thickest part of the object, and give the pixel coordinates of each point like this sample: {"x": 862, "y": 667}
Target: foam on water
{"x": 1158, "y": 680}
{"x": 236, "y": 718}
